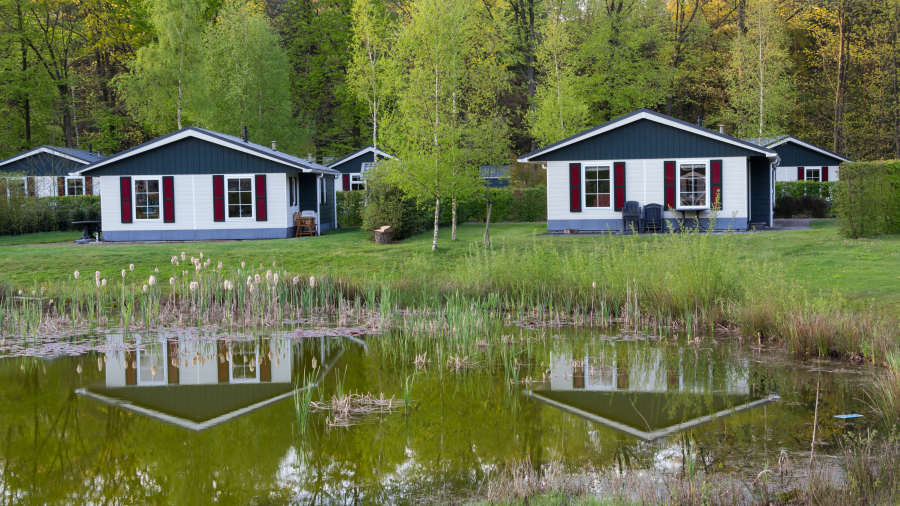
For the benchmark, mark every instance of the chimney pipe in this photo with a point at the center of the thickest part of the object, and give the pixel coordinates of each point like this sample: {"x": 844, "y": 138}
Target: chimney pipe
{"x": 90, "y": 148}
{"x": 245, "y": 134}
{"x": 722, "y": 129}
{"x": 273, "y": 146}
{"x": 699, "y": 121}
{"x": 309, "y": 157}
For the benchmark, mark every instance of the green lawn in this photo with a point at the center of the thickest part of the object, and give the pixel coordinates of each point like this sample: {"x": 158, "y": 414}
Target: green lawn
{"x": 860, "y": 270}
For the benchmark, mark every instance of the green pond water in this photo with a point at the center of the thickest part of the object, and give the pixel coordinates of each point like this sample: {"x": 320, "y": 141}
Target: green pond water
{"x": 194, "y": 417}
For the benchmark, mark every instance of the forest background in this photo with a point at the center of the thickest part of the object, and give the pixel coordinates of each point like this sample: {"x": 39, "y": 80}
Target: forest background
{"x": 328, "y": 76}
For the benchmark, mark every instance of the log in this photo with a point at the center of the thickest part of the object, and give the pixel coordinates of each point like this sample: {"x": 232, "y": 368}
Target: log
{"x": 383, "y": 235}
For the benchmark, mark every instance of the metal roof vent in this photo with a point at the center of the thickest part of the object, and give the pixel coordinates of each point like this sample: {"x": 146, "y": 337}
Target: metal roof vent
{"x": 722, "y": 129}
{"x": 245, "y": 134}
{"x": 273, "y": 146}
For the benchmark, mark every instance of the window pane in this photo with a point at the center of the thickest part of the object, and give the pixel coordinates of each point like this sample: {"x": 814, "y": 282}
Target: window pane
{"x": 604, "y": 173}
{"x": 603, "y": 200}
{"x": 246, "y": 198}
{"x": 153, "y": 212}
{"x": 153, "y": 186}
{"x": 233, "y": 198}
{"x": 140, "y": 199}
{"x": 590, "y": 173}
{"x": 591, "y": 187}
{"x": 604, "y": 186}
{"x": 233, "y": 185}
{"x": 140, "y": 213}
{"x": 245, "y": 185}
{"x": 153, "y": 199}
{"x": 590, "y": 200}
{"x": 234, "y": 211}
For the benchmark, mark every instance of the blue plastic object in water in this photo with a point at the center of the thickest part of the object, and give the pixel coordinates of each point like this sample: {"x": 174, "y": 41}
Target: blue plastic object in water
{"x": 844, "y": 417}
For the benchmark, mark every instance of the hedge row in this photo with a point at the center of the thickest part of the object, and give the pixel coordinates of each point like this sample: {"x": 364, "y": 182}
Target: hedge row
{"x": 800, "y": 189}
{"x": 26, "y": 215}
{"x": 867, "y": 198}
{"x": 350, "y": 207}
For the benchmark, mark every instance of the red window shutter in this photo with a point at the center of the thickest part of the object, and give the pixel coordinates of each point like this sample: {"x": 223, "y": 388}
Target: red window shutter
{"x": 224, "y": 363}
{"x": 172, "y": 361}
{"x": 669, "y": 185}
{"x": 130, "y": 368}
{"x": 61, "y": 186}
{"x": 30, "y": 186}
{"x": 801, "y": 173}
{"x": 824, "y": 175}
{"x": 88, "y": 185}
{"x": 261, "y": 197}
{"x": 218, "y": 198}
{"x": 168, "y": 194}
{"x": 346, "y": 182}
{"x": 716, "y": 184}
{"x": 619, "y": 185}
{"x": 575, "y": 187}
{"x": 125, "y": 195}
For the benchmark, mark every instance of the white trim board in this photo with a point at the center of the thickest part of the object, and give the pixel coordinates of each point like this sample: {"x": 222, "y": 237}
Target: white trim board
{"x": 32, "y": 152}
{"x": 188, "y": 133}
{"x": 616, "y": 123}
{"x": 654, "y": 434}
{"x": 809, "y": 146}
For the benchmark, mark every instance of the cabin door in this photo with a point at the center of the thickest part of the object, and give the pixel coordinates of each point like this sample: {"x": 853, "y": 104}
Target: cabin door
{"x": 760, "y": 192}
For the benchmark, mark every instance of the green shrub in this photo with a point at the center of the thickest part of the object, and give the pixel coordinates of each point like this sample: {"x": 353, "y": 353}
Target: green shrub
{"x": 388, "y": 205}
{"x": 799, "y": 189}
{"x": 27, "y": 215}
{"x": 867, "y": 198}
{"x": 350, "y": 206}
{"x": 788, "y": 206}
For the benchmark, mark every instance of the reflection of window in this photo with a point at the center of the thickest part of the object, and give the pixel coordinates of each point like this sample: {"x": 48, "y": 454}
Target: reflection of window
{"x": 74, "y": 187}
{"x": 692, "y": 183}
{"x": 357, "y": 182}
{"x": 596, "y": 187}
{"x": 152, "y": 366}
{"x": 244, "y": 366}
{"x": 813, "y": 175}
{"x": 146, "y": 199}
{"x": 240, "y": 197}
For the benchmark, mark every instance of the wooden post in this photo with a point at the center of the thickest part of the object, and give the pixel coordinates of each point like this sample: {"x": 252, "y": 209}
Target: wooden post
{"x": 383, "y": 235}
{"x": 487, "y": 221}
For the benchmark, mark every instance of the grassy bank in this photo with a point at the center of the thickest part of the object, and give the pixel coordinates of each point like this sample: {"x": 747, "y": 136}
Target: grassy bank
{"x": 810, "y": 289}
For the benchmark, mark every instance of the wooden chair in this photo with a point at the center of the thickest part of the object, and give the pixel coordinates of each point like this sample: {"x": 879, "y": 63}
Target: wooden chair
{"x": 305, "y": 225}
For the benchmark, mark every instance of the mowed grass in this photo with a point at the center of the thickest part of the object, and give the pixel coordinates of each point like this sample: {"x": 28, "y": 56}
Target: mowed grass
{"x": 862, "y": 270}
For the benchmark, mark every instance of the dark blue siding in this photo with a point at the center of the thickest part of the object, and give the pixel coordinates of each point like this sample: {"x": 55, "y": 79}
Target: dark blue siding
{"x": 41, "y": 164}
{"x": 793, "y": 155}
{"x": 760, "y": 190}
{"x": 645, "y": 139}
{"x": 190, "y": 156}
{"x": 307, "y": 192}
{"x": 354, "y": 166}
{"x": 327, "y": 209}
{"x": 496, "y": 182}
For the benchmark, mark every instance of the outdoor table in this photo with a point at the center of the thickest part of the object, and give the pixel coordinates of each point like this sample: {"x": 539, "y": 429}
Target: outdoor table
{"x": 86, "y": 236}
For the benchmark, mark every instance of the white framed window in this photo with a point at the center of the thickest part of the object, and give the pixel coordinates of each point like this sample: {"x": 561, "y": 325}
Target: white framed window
{"x": 357, "y": 182}
{"x": 297, "y": 191}
{"x": 147, "y": 198}
{"x": 16, "y": 187}
{"x": 597, "y": 186}
{"x": 244, "y": 363}
{"x": 693, "y": 185}
{"x": 322, "y": 194}
{"x": 74, "y": 186}
{"x": 152, "y": 368}
{"x": 813, "y": 174}
{"x": 367, "y": 166}
{"x": 239, "y": 197}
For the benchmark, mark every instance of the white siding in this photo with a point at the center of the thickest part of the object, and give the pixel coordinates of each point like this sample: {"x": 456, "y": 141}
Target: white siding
{"x": 194, "y": 206}
{"x": 644, "y": 183}
{"x": 296, "y": 207}
{"x": 790, "y": 173}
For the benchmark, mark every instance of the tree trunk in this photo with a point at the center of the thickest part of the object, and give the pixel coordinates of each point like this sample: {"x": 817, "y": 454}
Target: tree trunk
{"x": 840, "y": 86}
{"x": 26, "y": 103}
{"x": 453, "y": 225}
{"x": 437, "y": 213}
{"x": 894, "y": 78}
{"x": 487, "y": 225}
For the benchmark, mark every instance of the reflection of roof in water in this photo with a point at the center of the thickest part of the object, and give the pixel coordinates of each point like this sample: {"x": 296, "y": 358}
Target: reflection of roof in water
{"x": 199, "y": 407}
{"x": 648, "y": 415}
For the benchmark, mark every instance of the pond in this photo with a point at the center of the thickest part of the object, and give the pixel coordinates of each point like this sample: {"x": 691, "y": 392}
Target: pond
{"x": 194, "y": 416}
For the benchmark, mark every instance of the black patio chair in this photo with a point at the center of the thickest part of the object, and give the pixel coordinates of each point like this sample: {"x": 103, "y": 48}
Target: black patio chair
{"x": 631, "y": 217}
{"x": 653, "y": 218}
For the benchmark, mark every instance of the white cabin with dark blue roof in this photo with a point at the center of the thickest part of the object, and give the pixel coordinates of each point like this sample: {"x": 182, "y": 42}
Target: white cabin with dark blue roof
{"x": 44, "y": 172}
{"x": 802, "y": 161}
{"x": 199, "y": 185}
{"x": 354, "y": 166}
{"x": 652, "y": 158}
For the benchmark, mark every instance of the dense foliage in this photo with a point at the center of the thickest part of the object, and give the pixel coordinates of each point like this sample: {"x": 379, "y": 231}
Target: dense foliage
{"x": 319, "y": 76}
{"x": 798, "y": 189}
{"x": 25, "y": 215}
{"x": 807, "y": 206}
{"x": 350, "y": 207}
{"x": 867, "y": 198}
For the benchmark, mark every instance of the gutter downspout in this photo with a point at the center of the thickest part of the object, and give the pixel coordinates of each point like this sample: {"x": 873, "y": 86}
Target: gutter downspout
{"x": 334, "y": 199}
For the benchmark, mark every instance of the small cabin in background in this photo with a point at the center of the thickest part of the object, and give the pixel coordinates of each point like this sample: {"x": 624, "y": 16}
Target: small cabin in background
{"x": 802, "y": 161}
{"x": 495, "y": 176}
{"x": 651, "y": 158}
{"x": 199, "y": 185}
{"x": 353, "y": 166}
{"x": 45, "y": 172}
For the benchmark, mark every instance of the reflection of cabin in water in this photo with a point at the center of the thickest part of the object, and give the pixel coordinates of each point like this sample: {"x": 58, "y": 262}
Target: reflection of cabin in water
{"x": 197, "y": 385}
{"x": 647, "y": 398}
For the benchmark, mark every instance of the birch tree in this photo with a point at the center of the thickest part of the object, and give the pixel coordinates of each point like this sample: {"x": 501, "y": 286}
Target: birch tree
{"x": 559, "y": 111}
{"x": 163, "y": 83}
{"x": 759, "y": 81}
{"x": 369, "y": 74}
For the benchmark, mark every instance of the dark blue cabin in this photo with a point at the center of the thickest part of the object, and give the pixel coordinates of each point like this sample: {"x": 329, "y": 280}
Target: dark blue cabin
{"x": 353, "y": 166}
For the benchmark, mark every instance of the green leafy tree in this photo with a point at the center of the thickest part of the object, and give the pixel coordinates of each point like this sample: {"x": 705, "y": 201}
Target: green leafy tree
{"x": 759, "y": 81}
{"x": 163, "y": 85}
{"x": 369, "y": 74}
{"x": 559, "y": 111}
{"x": 246, "y": 77}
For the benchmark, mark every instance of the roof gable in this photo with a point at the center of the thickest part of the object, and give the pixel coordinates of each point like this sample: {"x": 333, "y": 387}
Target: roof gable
{"x": 201, "y": 166}
{"x": 48, "y": 161}
{"x": 645, "y": 134}
{"x": 353, "y": 161}
{"x": 797, "y": 153}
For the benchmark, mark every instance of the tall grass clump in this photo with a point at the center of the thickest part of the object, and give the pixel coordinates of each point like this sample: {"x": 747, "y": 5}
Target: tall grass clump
{"x": 885, "y": 392}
